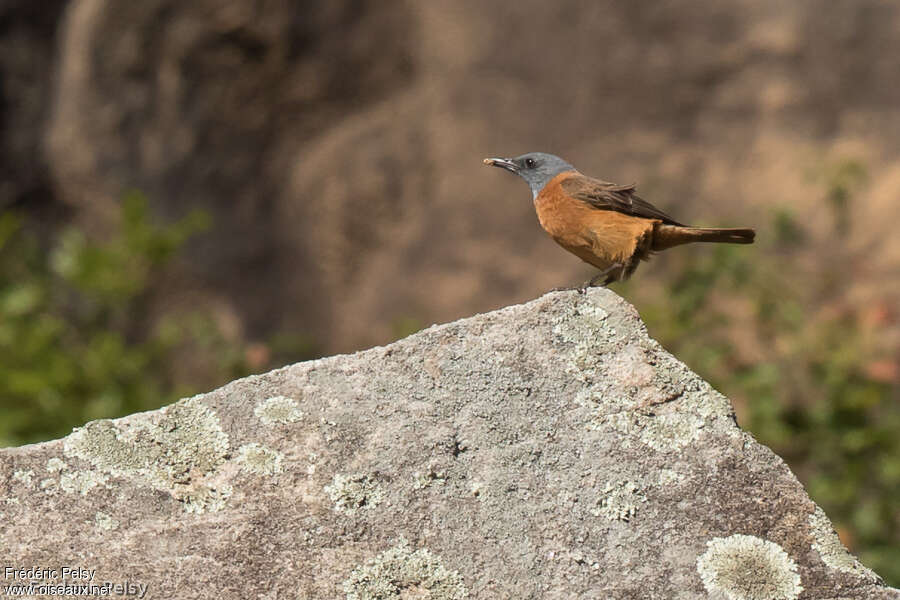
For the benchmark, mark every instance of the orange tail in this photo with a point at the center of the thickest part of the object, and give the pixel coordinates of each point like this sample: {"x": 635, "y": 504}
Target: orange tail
{"x": 667, "y": 236}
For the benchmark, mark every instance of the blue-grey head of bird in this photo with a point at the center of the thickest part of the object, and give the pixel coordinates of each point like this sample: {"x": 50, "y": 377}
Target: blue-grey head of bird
{"x": 537, "y": 168}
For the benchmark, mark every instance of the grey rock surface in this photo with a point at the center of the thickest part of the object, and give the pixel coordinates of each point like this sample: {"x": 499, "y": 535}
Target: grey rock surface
{"x": 546, "y": 450}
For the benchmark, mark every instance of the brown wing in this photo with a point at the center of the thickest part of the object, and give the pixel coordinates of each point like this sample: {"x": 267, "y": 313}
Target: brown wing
{"x": 604, "y": 195}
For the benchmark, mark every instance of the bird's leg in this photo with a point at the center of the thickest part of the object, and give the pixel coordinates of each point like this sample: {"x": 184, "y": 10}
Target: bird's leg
{"x": 593, "y": 281}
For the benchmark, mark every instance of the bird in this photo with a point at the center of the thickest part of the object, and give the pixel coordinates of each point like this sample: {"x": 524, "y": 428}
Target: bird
{"x": 605, "y": 224}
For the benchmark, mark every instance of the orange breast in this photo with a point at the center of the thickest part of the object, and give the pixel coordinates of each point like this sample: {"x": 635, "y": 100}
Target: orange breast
{"x": 599, "y": 237}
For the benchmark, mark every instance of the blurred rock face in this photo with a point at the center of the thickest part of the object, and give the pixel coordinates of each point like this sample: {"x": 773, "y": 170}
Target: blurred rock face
{"x": 211, "y": 105}
{"x": 27, "y": 32}
{"x": 338, "y": 144}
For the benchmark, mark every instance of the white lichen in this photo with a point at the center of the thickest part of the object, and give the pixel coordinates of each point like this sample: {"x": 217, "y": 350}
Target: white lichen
{"x": 278, "y": 409}
{"x": 206, "y": 499}
{"x": 585, "y": 331}
{"x": 619, "y": 501}
{"x": 353, "y": 492}
{"x": 55, "y": 465}
{"x": 668, "y": 477}
{"x": 671, "y": 431}
{"x": 423, "y": 480}
{"x": 81, "y": 482}
{"x": 663, "y": 432}
{"x": 256, "y": 458}
{"x": 400, "y": 573}
{"x": 26, "y": 478}
{"x": 827, "y": 543}
{"x": 104, "y": 521}
{"x": 745, "y": 567}
{"x": 585, "y": 361}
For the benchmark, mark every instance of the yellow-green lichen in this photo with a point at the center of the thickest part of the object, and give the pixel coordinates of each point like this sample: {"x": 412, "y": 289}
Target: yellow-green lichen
{"x": 353, "y": 492}
{"x": 256, "y": 458}
{"x": 400, "y": 573}
{"x": 745, "y": 567}
{"x": 827, "y": 543}
{"x": 185, "y": 443}
{"x": 104, "y": 521}
{"x": 619, "y": 501}
{"x": 278, "y": 409}
{"x": 663, "y": 432}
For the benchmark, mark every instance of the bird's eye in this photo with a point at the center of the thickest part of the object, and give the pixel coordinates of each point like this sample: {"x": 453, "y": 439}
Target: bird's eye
{"x": 529, "y": 163}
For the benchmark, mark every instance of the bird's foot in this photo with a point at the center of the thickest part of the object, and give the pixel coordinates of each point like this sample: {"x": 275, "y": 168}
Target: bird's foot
{"x": 606, "y": 275}
{"x": 570, "y": 288}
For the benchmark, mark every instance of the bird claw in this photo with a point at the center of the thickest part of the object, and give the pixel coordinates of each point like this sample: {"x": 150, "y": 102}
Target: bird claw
{"x": 592, "y": 282}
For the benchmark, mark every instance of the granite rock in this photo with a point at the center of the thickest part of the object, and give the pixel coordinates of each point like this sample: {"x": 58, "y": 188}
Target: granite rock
{"x": 545, "y": 450}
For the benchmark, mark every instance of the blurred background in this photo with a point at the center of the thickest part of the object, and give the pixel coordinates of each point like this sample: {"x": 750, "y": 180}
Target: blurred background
{"x": 192, "y": 192}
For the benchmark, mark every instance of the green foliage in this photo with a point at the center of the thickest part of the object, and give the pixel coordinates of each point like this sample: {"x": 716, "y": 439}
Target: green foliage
{"x": 78, "y": 337}
{"x": 113, "y": 273}
{"x": 782, "y": 341}
{"x": 841, "y": 179}
{"x": 406, "y": 325}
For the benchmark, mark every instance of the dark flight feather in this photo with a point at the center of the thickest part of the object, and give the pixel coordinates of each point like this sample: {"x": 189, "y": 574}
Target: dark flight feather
{"x": 604, "y": 195}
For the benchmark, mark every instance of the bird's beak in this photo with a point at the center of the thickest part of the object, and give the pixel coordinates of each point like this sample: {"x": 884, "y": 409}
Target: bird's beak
{"x": 504, "y": 163}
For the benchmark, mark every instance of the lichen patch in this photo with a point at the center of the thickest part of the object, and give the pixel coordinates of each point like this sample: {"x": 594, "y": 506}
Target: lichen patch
{"x": 400, "y": 573}
{"x": 584, "y": 330}
{"x": 354, "y": 492}
{"x": 105, "y": 521}
{"x": 671, "y": 431}
{"x": 278, "y": 409}
{"x": 184, "y": 445}
{"x": 26, "y": 478}
{"x": 668, "y": 477}
{"x": 81, "y": 482}
{"x": 619, "y": 501}
{"x": 203, "y": 499}
{"x": 662, "y": 432}
{"x": 745, "y": 567}
{"x": 56, "y": 465}
{"x": 256, "y": 458}
{"x": 423, "y": 480}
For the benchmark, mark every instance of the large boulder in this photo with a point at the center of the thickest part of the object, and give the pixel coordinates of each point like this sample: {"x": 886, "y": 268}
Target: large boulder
{"x": 546, "y": 450}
